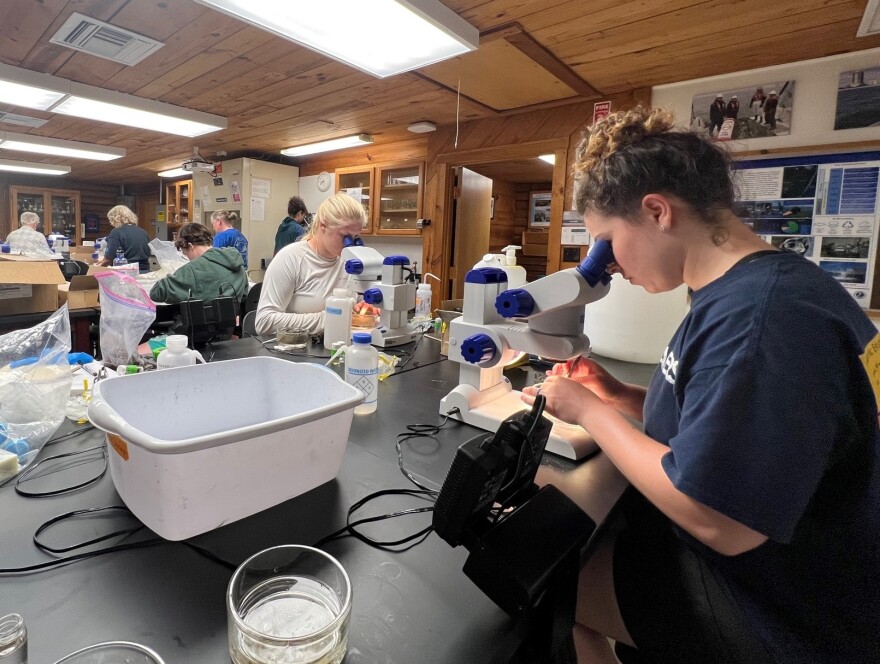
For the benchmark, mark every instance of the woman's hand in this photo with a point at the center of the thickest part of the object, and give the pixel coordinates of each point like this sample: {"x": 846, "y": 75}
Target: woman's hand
{"x": 592, "y": 376}
{"x": 566, "y": 399}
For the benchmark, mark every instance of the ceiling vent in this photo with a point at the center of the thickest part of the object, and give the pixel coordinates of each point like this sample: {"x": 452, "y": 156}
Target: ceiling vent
{"x": 21, "y": 120}
{"x": 103, "y": 40}
{"x": 870, "y": 24}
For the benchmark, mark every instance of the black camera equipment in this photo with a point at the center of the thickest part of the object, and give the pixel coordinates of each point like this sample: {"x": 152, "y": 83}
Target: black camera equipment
{"x": 524, "y": 542}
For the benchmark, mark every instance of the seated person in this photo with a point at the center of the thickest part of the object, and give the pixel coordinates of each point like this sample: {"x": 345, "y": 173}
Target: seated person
{"x": 303, "y": 274}
{"x": 226, "y": 235}
{"x": 128, "y": 236}
{"x": 27, "y": 240}
{"x": 292, "y": 228}
{"x": 210, "y": 273}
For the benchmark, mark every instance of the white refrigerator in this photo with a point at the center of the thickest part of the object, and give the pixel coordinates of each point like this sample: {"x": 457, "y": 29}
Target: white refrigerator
{"x": 258, "y": 192}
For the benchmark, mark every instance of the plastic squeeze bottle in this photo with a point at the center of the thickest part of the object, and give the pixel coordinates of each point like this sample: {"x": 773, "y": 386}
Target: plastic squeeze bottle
{"x": 176, "y": 354}
{"x": 423, "y": 302}
{"x": 337, "y": 318}
{"x": 362, "y": 371}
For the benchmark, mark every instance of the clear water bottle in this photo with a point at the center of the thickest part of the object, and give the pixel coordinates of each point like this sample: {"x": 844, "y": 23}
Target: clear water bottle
{"x": 120, "y": 259}
{"x": 337, "y": 318}
{"x": 362, "y": 371}
{"x": 13, "y": 640}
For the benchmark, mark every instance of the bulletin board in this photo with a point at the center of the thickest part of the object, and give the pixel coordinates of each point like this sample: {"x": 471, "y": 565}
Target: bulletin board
{"x": 823, "y": 207}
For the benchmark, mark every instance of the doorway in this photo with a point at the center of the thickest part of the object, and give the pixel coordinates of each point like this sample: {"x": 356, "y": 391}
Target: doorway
{"x": 492, "y": 206}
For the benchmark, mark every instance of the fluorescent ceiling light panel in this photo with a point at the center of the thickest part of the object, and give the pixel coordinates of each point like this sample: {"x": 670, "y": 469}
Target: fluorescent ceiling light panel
{"x": 58, "y": 147}
{"x": 549, "y": 158}
{"x": 327, "y": 146}
{"x": 173, "y": 173}
{"x": 22, "y": 87}
{"x": 379, "y": 37}
{"x": 32, "y": 167}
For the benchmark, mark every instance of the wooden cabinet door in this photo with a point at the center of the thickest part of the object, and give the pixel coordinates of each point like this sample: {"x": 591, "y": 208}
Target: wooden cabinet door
{"x": 357, "y": 182}
{"x": 399, "y": 207}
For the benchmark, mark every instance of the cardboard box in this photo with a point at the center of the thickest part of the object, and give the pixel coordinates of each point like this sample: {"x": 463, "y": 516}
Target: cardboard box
{"x": 534, "y": 249}
{"x": 28, "y": 285}
{"x": 83, "y": 254}
{"x": 535, "y": 237}
{"x": 80, "y": 293}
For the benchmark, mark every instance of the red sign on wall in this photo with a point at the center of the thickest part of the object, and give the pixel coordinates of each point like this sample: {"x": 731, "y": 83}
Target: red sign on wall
{"x": 601, "y": 109}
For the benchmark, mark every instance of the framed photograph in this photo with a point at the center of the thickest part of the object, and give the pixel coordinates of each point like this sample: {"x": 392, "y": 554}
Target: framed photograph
{"x": 754, "y": 111}
{"x": 539, "y": 209}
{"x": 93, "y": 223}
{"x": 858, "y": 98}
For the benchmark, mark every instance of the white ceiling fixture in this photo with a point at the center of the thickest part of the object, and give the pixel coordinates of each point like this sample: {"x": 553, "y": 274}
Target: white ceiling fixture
{"x": 21, "y": 120}
{"x": 58, "y": 147}
{"x": 379, "y": 37}
{"x": 23, "y": 87}
{"x": 870, "y": 24}
{"x": 422, "y": 127}
{"x": 327, "y": 146}
{"x": 89, "y": 35}
{"x": 549, "y": 158}
{"x": 33, "y": 167}
{"x": 173, "y": 173}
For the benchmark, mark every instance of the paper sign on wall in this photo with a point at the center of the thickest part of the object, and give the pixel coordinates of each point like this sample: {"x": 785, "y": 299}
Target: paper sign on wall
{"x": 261, "y": 188}
{"x": 258, "y": 209}
{"x": 235, "y": 189}
{"x": 601, "y": 109}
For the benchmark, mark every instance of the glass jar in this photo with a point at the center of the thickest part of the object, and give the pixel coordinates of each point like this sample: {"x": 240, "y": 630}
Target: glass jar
{"x": 13, "y": 640}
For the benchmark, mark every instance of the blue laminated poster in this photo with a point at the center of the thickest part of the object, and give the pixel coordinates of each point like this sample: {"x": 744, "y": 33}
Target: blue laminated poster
{"x": 822, "y": 207}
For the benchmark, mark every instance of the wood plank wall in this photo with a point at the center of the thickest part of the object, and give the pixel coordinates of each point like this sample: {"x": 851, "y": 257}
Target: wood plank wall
{"x": 536, "y": 266}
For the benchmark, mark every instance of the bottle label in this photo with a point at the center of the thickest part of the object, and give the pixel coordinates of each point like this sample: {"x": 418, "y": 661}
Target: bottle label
{"x": 334, "y": 311}
{"x": 364, "y": 372}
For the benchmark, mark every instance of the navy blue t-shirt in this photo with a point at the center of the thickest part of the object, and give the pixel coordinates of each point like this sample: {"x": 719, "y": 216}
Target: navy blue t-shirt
{"x": 232, "y": 237}
{"x": 134, "y": 242}
{"x": 771, "y": 420}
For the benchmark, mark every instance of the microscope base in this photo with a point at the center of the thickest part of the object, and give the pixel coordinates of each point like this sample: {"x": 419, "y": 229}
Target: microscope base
{"x": 387, "y": 338}
{"x": 566, "y": 440}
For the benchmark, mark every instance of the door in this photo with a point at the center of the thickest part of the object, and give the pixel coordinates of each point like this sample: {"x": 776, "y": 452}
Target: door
{"x": 146, "y": 213}
{"x": 470, "y": 225}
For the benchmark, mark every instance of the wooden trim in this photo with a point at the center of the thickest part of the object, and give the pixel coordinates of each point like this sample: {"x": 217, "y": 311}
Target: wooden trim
{"x": 441, "y": 86}
{"x": 537, "y": 52}
{"x": 796, "y": 150}
{"x": 557, "y": 207}
{"x": 502, "y": 153}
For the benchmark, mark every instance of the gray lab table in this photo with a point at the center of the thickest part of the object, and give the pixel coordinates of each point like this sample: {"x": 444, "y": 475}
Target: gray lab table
{"x": 415, "y": 606}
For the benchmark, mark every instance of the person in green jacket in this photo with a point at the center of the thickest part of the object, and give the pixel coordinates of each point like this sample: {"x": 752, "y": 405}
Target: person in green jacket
{"x": 210, "y": 273}
{"x": 293, "y": 226}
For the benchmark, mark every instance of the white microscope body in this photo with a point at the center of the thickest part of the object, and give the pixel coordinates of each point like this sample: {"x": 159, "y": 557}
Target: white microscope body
{"x": 545, "y": 318}
{"x": 380, "y": 279}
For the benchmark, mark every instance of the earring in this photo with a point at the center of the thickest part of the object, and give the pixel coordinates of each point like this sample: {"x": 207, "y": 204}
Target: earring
{"x": 663, "y": 228}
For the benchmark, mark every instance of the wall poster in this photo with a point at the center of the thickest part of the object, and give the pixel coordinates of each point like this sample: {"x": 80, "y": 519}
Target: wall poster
{"x": 822, "y": 207}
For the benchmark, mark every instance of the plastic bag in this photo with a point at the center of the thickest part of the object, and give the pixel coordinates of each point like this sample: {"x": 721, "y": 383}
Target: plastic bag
{"x": 126, "y": 313}
{"x": 167, "y": 254}
{"x": 34, "y": 385}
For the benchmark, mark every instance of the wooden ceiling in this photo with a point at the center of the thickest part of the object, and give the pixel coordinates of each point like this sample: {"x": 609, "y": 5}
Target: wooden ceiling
{"x": 276, "y": 94}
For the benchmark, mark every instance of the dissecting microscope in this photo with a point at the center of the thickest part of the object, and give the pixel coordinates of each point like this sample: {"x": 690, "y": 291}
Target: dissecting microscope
{"x": 381, "y": 281}
{"x": 544, "y": 318}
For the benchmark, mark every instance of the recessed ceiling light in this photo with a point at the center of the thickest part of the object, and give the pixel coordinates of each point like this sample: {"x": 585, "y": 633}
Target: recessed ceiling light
{"x": 549, "y": 158}
{"x": 327, "y": 146}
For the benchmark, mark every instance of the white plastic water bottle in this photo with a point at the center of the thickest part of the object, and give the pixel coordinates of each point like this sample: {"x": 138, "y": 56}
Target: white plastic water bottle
{"x": 423, "y": 303}
{"x": 362, "y": 371}
{"x": 337, "y": 318}
{"x": 176, "y": 354}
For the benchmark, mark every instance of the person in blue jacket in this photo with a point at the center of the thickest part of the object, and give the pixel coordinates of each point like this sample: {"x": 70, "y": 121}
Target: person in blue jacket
{"x": 293, "y": 226}
{"x": 226, "y": 235}
{"x": 751, "y": 529}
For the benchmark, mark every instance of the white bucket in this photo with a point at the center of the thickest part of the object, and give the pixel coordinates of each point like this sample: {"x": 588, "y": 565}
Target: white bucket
{"x": 194, "y": 448}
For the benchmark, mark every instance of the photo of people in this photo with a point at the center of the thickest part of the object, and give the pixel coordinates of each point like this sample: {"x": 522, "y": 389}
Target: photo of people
{"x": 845, "y": 247}
{"x": 753, "y": 112}
{"x": 539, "y": 209}
{"x": 846, "y": 272}
{"x": 793, "y": 216}
{"x": 800, "y": 245}
{"x": 858, "y": 99}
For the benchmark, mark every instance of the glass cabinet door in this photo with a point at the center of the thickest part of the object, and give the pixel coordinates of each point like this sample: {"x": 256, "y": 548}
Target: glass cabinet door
{"x": 400, "y": 195}
{"x": 30, "y": 202}
{"x": 64, "y": 216}
{"x": 357, "y": 183}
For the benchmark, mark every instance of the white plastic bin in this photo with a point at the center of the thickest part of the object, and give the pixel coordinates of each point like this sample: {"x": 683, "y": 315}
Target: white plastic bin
{"x": 194, "y": 448}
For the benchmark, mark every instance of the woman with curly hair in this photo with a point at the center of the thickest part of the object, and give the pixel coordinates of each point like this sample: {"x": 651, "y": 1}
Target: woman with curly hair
{"x": 750, "y": 532}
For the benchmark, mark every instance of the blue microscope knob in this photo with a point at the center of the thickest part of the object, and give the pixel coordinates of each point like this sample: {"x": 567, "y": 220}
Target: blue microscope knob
{"x": 354, "y": 266}
{"x": 515, "y": 303}
{"x": 478, "y": 348}
{"x": 373, "y": 296}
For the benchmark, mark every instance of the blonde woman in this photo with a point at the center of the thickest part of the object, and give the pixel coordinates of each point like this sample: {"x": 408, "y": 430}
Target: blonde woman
{"x": 127, "y": 236}
{"x": 226, "y": 235}
{"x": 303, "y": 274}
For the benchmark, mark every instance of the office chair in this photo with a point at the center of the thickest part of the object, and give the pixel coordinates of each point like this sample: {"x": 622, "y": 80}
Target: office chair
{"x": 248, "y": 324}
{"x": 253, "y": 298}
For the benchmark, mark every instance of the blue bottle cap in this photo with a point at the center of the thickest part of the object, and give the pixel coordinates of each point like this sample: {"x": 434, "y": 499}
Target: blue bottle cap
{"x": 362, "y": 338}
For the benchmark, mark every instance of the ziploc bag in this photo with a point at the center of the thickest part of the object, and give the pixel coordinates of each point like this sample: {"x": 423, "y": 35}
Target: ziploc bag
{"x": 34, "y": 385}
{"x": 126, "y": 314}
